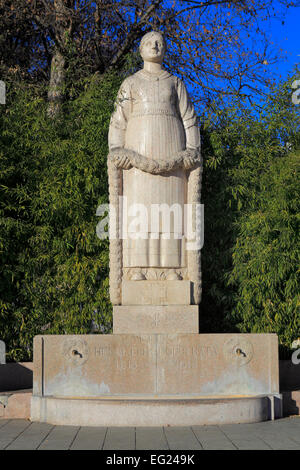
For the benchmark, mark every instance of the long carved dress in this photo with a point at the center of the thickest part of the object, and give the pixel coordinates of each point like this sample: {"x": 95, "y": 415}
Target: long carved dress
{"x": 154, "y": 117}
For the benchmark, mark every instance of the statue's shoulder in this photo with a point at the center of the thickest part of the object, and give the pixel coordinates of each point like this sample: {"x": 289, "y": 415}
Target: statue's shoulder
{"x": 127, "y": 81}
{"x": 144, "y": 75}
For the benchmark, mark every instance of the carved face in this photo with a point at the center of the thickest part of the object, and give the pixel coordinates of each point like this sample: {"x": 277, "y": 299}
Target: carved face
{"x": 152, "y": 48}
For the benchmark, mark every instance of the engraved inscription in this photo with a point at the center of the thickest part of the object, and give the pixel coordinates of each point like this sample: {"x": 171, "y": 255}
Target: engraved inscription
{"x": 155, "y": 320}
{"x": 197, "y": 352}
{"x": 103, "y": 352}
{"x": 187, "y": 358}
{"x": 162, "y": 294}
{"x": 126, "y": 364}
{"x": 153, "y": 294}
{"x": 185, "y": 365}
{"x": 123, "y": 357}
{"x": 129, "y": 358}
{"x": 134, "y": 351}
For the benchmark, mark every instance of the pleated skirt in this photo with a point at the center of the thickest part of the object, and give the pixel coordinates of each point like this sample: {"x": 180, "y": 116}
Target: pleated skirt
{"x": 153, "y": 206}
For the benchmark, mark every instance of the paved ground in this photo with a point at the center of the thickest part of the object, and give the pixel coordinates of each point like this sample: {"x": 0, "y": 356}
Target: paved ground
{"x": 280, "y": 434}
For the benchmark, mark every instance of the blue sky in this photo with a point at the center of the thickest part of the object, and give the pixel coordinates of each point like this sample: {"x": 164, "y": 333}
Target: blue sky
{"x": 283, "y": 31}
{"x": 287, "y": 36}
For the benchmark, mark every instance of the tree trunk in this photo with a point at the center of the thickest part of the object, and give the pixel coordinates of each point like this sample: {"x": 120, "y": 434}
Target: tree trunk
{"x": 63, "y": 30}
{"x": 57, "y": 84}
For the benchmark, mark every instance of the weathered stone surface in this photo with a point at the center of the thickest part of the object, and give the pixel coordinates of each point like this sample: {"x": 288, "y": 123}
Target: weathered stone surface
{"x": 2, "y": 352}
{"x": 217, "y": 364}
{"x": 15, "y": 405}
{"x": 94, "y": 365}
{"x": 156, "y": 292}
{"x": 155, "y": 412}
{"x": 147, "y": 319}
{"x": 156, "y": 365}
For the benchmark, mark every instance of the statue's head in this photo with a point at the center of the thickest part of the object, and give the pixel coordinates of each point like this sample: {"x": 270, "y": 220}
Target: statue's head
{"x": 153, "y": 47}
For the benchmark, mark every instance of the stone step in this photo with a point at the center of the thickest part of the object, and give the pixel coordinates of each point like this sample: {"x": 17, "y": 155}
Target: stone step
{"x": 291, "y": 402}
{"x": 153, "y": 411}
{"x": 15, "y": 404}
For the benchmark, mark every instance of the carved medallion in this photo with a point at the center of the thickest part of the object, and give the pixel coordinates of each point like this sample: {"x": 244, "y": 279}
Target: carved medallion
{"x": 238, "y": 350}
{"x": 76, "y": 351}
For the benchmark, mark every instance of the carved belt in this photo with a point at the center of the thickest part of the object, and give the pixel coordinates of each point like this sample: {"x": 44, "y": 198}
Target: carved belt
{"x": 145, "y": 111}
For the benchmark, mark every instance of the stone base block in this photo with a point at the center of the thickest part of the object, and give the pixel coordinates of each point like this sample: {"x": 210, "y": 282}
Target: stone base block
{"x": 150, "y": 319}
{"x": 152, "y": 412}
{"x": 155, "y": 379}
{"x": 155, "y": 365}
{"x": 156, "y": 292}
{"x": 15, "y": 404}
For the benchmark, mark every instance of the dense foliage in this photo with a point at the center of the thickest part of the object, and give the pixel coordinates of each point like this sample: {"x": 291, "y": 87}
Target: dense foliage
{"x": 53, "y": 177}
{"x": 251, "y": 196}
{"x": 54, "y": 269}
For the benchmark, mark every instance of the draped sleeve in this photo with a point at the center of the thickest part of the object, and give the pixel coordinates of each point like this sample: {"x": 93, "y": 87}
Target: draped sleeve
{"x": 119, "y": 118}
{"x": 188, "y": 116}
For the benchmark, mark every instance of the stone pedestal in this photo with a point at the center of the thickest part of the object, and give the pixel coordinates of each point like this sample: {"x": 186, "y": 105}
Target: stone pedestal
{"x": 157, "y": 293}
{"x": 151, "y": 319}
{"x": 178, "y": 378}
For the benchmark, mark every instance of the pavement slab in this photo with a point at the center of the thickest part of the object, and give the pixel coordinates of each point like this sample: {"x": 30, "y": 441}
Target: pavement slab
{"x": 282, "y": 434}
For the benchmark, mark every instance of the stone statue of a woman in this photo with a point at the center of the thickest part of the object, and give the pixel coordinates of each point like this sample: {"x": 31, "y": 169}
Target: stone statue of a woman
{"x": 154, "y": 159}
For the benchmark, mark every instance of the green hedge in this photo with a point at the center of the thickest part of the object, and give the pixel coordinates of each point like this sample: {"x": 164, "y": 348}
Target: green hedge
{"x": 53, "y": 177}
{"x": 251, "y": 196}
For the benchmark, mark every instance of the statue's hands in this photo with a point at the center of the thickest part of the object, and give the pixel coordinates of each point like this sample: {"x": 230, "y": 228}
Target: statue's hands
{"x": 123, "y": 162}
{"x": 190, "y": 159}
{"x": 188, "y": 163}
